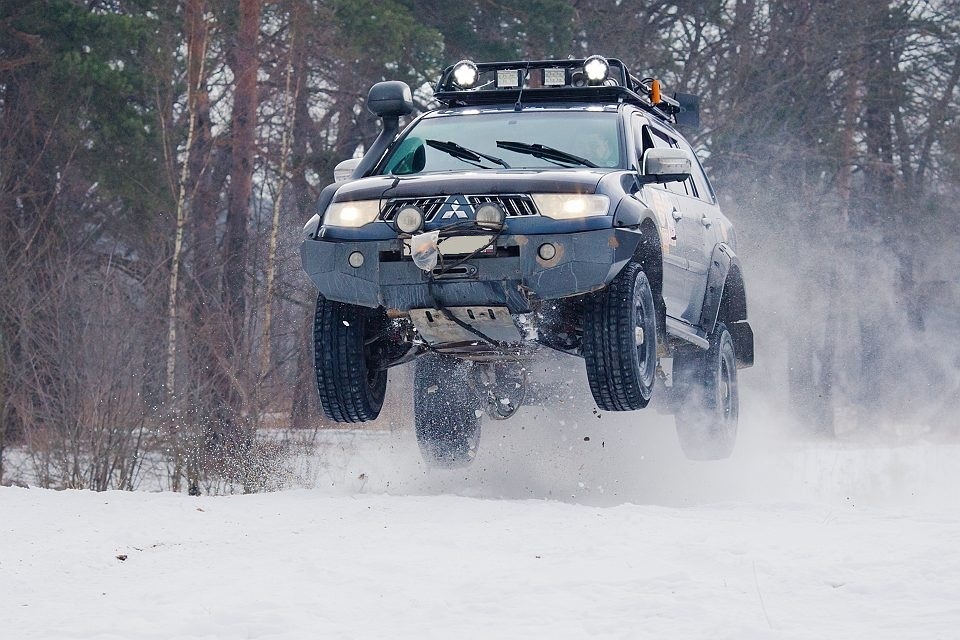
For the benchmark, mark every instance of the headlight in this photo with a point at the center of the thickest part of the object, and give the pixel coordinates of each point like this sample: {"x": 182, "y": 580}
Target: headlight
{"x": 351, "y": 214}
{"x": 564, "y": 206}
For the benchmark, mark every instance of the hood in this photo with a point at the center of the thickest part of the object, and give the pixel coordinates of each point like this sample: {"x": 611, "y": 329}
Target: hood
{"x": 473, "y": 183}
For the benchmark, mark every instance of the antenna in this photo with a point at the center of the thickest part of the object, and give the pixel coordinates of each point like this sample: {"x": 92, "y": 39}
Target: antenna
{"x": 526, "y": 71}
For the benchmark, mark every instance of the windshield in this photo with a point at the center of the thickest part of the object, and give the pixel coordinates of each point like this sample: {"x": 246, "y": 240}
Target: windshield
{"x": 524, "y": 140}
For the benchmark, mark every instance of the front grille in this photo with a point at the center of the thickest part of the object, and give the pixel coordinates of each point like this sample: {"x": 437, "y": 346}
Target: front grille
{"x": 429, "y": 206}
{"x": 514, "y": 205}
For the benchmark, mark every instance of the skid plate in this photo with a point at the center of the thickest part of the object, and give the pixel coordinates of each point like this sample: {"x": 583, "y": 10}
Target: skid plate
{"x": 437, "y": 330}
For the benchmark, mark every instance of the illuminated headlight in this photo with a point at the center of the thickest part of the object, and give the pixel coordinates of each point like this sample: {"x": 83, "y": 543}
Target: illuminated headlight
{"x": 490, "y": 214}
{"x": 465, "y": 74}
{"x": 409, "y": 219}
{"x": 351, "y": 214}
{"x": 596, "y": 68}
{"x": 563, "y": 206}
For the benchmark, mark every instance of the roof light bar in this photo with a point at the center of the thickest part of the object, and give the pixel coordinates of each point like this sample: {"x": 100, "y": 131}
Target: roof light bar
{"x": 593, "y": 79}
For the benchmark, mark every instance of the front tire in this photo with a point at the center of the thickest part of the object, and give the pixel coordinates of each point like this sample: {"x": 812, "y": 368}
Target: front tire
{"x": 620, "y": 341}
{"x": 709, "y": 398}
{"x": 445, "y": 410}
{"x": 351, "y": 385}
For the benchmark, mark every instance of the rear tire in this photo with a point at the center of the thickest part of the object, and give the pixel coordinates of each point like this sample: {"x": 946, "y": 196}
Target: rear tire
{"x": 351, "y": 388}
{"x": 709, "y": 400}
{"x": 445, "y": 412}
{"x": 620, "y": 341}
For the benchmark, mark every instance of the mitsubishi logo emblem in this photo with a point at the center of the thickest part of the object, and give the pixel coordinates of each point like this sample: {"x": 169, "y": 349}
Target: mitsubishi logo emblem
{"x": 455, "y": 207}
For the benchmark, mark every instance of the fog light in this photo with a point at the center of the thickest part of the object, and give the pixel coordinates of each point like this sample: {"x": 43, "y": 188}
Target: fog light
{"x": 409, "y": 219}
{"x": 356, "y": 259}
{"x": 547, "y": 251}
{"x": 490, "y": 214}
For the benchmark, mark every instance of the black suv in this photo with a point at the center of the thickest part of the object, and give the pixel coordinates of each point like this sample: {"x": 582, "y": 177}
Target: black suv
{"x": 543, "y": 203}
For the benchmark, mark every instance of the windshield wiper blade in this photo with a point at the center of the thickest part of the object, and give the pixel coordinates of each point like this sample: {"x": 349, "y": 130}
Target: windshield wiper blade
{"x": 544, "y": 152}
{"x": 463, "y": 153}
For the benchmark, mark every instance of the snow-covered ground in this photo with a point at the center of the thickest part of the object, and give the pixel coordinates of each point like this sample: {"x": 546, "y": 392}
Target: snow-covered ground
{"x": 569, "y": 525}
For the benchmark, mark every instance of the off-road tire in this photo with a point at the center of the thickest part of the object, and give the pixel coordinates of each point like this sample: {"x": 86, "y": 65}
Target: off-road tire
{"x": 445, "y": 411}
{"x": 351, "y": 388}
{"x": 621, "y": 372}
{"x": 705, "y": 386}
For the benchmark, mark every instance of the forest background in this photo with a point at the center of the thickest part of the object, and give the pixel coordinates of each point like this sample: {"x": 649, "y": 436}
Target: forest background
{"x": 158, "y": 160}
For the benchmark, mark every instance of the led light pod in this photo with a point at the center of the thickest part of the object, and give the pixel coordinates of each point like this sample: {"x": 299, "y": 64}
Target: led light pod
{"x": 596, "y": 68}
{"x": 465, "y": 74}
{"x": 555, "y": 77}
{"x": 508, "y": 78}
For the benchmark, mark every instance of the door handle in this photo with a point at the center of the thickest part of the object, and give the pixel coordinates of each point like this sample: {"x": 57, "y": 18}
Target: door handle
{"x": 705, "y": 221}
{"x": 676, "y": 215}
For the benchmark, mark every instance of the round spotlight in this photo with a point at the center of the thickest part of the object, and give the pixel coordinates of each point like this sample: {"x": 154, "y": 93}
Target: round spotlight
{"x": 465, "y": 73}
{"x": 596, "y": 68}
{"x": 489, "y": 214}
{"x": 409, "y": 219}
{"x": 547, "y": 251}
{"x": 355, "y": 259}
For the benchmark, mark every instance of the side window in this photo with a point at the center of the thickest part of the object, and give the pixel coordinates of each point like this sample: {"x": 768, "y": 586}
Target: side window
{"x": 704, "y": 192}
{"x": 662, "y": 141}
{"x": 700, "y": 182}
{"x": 640, "y": 138}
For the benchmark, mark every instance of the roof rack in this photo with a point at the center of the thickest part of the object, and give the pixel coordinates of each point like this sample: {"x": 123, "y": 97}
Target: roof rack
{"x": 592, "y": 79}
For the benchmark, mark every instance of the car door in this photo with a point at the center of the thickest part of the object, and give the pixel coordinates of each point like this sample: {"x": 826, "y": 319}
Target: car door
{"x": 664, "y": 204}
{"x": 687, "y": 262}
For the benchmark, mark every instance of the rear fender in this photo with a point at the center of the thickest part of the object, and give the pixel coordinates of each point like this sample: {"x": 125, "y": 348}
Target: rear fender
{"x": 725, "y": 300}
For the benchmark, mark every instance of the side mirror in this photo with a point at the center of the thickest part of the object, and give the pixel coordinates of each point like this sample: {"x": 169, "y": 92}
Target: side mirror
{"x": 345, "y": 169}
{"x": 390, "y": 99}
{"x": 666, "y": 165}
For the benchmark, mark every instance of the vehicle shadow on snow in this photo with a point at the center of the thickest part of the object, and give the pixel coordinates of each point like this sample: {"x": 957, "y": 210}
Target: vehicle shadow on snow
{"x": 567, "y": 450}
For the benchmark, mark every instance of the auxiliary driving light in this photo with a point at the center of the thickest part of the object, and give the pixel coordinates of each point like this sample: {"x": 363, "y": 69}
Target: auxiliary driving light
{"x": 465, "y": 73}
{"x": 547, "y": 251}
{"x": 489, "y": 214}
{"x": 355, "y": 259}
{"x": 596, "y": 68}
{"x": 508, "y": 78}
{"x": 409, "y": 219}
{"x": 555, "y": 77}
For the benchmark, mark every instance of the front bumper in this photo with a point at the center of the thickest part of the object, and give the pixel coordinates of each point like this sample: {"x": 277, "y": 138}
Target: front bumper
{"x": 584, "y": 261}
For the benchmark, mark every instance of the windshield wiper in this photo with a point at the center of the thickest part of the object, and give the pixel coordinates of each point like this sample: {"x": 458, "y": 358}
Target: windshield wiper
{"x": 546, "y": 153}
{"x": 462, "y": 153}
